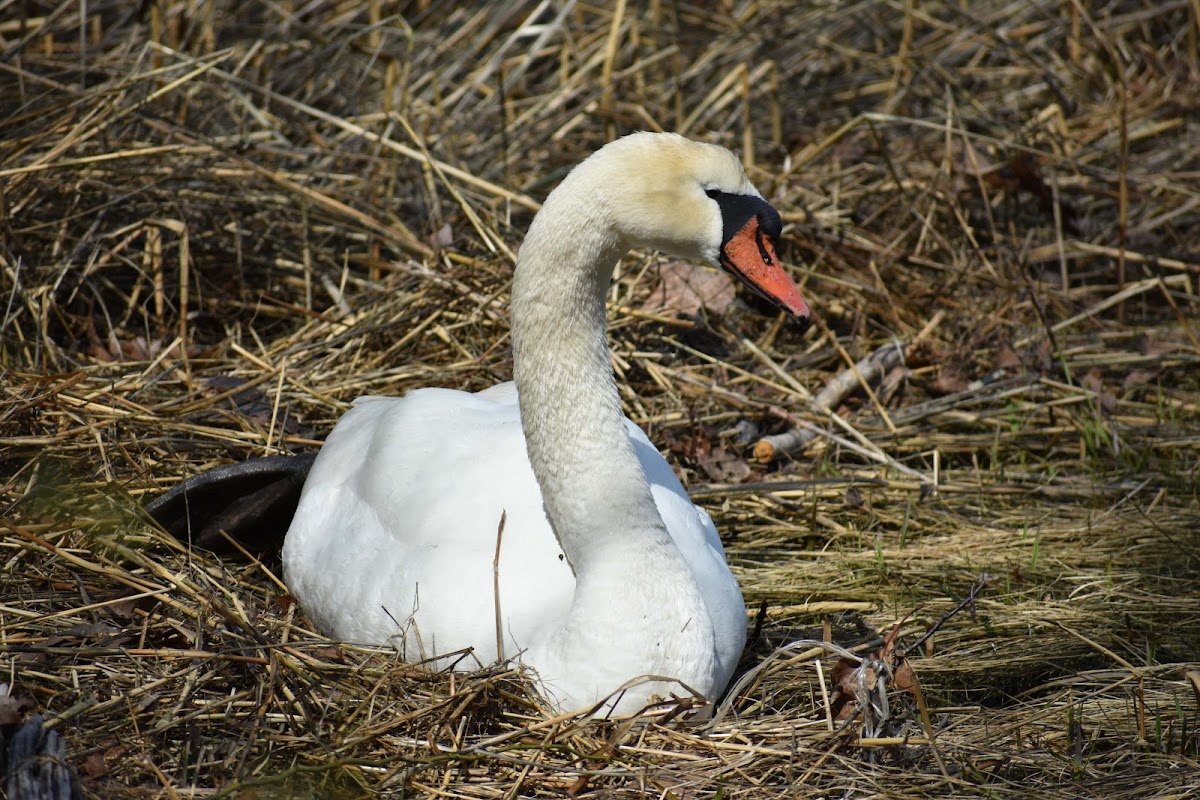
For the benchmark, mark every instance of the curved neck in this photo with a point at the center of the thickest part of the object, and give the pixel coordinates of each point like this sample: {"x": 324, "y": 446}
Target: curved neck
{"x": 592, "y": 483}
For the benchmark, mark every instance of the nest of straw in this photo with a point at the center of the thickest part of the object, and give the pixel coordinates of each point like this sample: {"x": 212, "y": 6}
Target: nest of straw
{"x": 221, "y": 222}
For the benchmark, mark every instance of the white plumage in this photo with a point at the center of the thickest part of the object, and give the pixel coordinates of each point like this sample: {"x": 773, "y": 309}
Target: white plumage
{"x": 396, "y": 532}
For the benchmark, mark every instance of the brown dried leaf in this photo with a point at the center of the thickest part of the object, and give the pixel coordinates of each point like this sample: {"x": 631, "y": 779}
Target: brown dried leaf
{"x": 1007, "y": 358}
{"x": 854, "y": 497}
{"x": 687, "y": 288}
{"x": 1093, "y": 381}
{"x": 94, "y": 766}
{"x": 870, "y": 678}
{"x": 1021, "y": 173}
{"x": 842, "y": 705}
{"x": 136, "y": 348}
{"x": 11, "y": 709}
{"x": 333, "y": 654}
{"x": 1153, "y": 347}
{"x": 724, "y": 466}
{"x": 892, "y": 386}
{"x": 123, "y": 609}
{"x": 89, "y": 630}
{"x": 284, "y": 602}
{"x": 702, "y": 448}
{"x": 114, "y": 347}
{"x": 1138, "y": 377}
{"x": 904, "y": 678}
{"x": 95, "y": 347}
{"x": 1045, "y": 356}
{"x": 251, "y": 402}
{"x": 949, "y": 381}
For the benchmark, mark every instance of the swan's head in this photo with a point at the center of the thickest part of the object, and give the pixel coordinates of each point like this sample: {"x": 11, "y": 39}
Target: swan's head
{"x": 694, "y": 201}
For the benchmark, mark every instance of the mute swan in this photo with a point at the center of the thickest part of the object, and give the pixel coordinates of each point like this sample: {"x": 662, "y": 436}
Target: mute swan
{"x": 606, "y": 571}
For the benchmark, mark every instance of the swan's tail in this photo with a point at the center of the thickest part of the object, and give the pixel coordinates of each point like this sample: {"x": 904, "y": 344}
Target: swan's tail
{"x": 33, "y": 764}
{"x": 251, "y": 501}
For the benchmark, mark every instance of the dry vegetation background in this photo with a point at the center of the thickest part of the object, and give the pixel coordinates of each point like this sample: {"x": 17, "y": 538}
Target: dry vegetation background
{"x": 222, "y": 221}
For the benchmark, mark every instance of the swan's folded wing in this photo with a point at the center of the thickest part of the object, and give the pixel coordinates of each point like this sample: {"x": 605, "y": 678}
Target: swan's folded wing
{"x": 396, "y": 533}
{"x": 695, "y": 535}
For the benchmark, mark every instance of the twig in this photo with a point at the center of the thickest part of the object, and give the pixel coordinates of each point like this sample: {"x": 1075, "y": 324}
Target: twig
{"x": 792, "y": 442}
{"x": 496, "y": 587}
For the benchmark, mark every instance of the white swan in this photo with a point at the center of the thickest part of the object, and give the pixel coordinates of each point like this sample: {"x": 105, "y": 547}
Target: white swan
{"x": 607, "y": 571}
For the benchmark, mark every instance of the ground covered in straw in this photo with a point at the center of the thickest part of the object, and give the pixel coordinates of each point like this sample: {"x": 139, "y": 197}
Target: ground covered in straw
{"x": 223, "y": 221}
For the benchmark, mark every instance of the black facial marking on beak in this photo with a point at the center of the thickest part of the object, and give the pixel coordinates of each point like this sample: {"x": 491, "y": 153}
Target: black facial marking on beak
{"x": 750, "y": 229}
{"x": 737, "y": 209}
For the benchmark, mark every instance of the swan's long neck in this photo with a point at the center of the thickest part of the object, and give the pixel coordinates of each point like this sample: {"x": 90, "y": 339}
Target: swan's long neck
{"x": 637, "y": 608}
{"x": 592, "y": 483}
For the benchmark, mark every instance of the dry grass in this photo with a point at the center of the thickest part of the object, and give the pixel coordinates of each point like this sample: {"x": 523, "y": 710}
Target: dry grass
{"x": 222, "y": 222}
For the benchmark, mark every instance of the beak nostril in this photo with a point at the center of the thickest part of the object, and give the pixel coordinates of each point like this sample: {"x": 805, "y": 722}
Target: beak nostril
{"x": 765, "y": 246}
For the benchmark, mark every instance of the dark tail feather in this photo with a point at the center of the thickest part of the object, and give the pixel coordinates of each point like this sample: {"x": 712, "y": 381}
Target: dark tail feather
{"x": 33, "y": 762}
{"x": 252, "y": 501}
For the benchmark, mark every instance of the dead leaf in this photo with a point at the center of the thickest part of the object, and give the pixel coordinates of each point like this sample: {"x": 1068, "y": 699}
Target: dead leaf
{"x": 94, "y": 766}
{"x": 949, "y": 381}
{"x": 686, "y": 288}
{"x": 702, "y": 448}
{"x": 1152, "y": 347}
{"x": 1138, "y": 377}
{"x": 1093, "y": 381}
{"x": 250, "y": 402}
{"x": 123, "y": 609}
{"x": 1021, "y": 173}
{"x": 1045, "y": 356}
{"x": 842, "y": 705}
{"x": 333, "y": 654}
{"x": 724, "y": 466}
{"x": 904, "y": 678}
{"x": 284, "y": 602}
{"x": 90, "y": 630}
{"x": 891, "y": 388}
{"x": 1007, "y": 358}
{"x": 854, "y": 497}
{"x": 122, "y": 348}
{"x": 11, "y": 709}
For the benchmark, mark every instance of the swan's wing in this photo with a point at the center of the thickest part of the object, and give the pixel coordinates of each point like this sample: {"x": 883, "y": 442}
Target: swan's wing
{"x": 502, "y": 393}
{"x": 695, "y": 535}
{"x": 663, "y": 479}
{"x": 396, "y": 532}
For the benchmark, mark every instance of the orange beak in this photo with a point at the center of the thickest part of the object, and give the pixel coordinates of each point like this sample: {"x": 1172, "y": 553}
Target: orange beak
{"x": 750, "y": 256}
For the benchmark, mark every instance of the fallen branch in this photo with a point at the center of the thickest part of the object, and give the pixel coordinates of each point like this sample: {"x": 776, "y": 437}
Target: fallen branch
{"x": 794, "y": 440}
